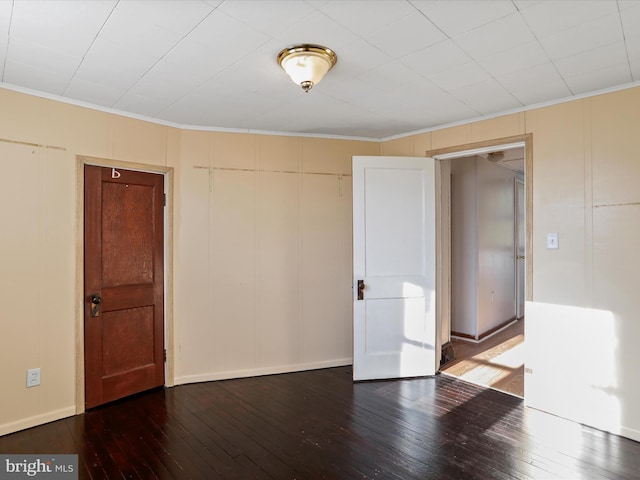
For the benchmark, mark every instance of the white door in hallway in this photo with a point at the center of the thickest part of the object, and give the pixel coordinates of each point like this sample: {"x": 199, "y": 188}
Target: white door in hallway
{"x": 394, "y": 265}
{"x": 520, "y": 247}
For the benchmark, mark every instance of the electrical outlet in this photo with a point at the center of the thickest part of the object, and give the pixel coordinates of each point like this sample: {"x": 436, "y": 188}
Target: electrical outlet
{"x": 33, "y": 377}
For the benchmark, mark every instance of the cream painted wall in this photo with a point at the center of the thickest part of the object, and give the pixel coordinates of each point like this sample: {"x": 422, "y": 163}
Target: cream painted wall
{"x": 263, "y": 261}
{"x": 581, "y": 329}
{"x": 585, "y": 176}
{"x": 39, "y": 278}
{"x": 261, "y": 245}
{"x": 587, "y": 191}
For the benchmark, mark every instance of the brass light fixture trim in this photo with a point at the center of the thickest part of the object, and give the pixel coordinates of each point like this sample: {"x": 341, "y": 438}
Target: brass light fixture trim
{"x": 307, "y": 63}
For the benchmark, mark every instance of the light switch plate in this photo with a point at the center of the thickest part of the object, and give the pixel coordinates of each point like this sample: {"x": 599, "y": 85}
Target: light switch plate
{"x": 552, "y": 241}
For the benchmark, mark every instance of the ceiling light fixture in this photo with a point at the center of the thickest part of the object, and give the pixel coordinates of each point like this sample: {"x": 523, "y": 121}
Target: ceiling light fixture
{"x": 495, "y": 156}
{"x": 306, "y": 64}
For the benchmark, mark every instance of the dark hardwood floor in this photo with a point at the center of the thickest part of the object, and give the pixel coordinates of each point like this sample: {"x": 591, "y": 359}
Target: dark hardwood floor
{"x": 320, "y": 425}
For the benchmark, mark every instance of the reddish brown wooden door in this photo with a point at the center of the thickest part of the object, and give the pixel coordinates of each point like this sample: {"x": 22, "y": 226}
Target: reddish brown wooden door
{"x": 123, "y": 283}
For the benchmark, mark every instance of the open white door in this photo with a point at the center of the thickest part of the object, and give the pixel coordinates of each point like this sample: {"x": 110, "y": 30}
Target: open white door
{"x": 394, "y": 266}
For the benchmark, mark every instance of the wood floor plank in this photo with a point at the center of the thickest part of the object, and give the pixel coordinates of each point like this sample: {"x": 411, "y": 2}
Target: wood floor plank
{"x": 497, "y": 361}
{"x": 325, "y": 433}
{"x": 321, "y": 425}
{"x": 234, "y": 431}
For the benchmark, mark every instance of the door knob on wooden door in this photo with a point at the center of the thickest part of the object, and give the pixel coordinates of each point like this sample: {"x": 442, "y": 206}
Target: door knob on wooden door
{"x": 360, "y": 289}
{"x": 96, "y": 300}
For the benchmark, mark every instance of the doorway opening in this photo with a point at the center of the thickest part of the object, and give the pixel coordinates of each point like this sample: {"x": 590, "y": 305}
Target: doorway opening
{"x": 484, "y": 200}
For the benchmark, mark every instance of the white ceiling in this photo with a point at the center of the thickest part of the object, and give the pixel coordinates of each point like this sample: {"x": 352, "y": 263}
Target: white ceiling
{"x": 403, "y": 66}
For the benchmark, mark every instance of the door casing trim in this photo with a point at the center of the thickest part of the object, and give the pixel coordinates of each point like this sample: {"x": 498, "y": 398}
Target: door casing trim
{"x": 444, "y": 272}
{"x": 527, "y": 140}
{"x": 167, "y": 172}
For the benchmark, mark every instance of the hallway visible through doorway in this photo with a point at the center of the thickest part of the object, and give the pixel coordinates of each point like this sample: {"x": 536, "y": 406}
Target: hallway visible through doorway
{"x": 496, "y": 362}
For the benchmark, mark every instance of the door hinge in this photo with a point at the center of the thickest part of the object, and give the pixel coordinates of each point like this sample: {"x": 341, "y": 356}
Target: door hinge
{"x": 164, "y": 199}
{"x": 165, "y": 354}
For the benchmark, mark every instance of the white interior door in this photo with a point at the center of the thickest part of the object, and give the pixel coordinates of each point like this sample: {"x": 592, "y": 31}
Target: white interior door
{"x": 520, "y": 248}
{"x": 394, "y": 261}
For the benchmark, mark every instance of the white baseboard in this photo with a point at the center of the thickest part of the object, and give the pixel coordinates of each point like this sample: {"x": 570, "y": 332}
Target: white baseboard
{"x": 70, "y": 411}
{"x": 630, "y": 433}
{"x": 36, "y": 420}
{"x": 256, "y": 372}
{"x": 592, "y": 422}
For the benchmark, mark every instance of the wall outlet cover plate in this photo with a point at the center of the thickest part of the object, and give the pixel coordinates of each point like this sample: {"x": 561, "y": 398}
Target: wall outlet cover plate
{"x": 33, "y": 377}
